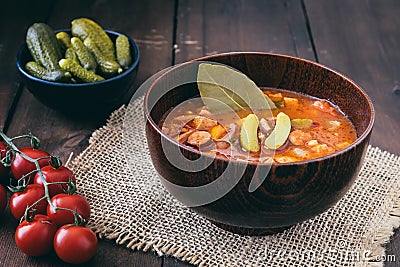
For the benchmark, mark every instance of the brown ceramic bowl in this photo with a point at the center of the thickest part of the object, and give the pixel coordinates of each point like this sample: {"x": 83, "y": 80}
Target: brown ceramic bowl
{"x": 291, "y": 192}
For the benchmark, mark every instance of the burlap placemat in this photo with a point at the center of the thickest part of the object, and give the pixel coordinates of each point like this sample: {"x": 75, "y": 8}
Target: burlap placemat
{"x": 130, "y": 205}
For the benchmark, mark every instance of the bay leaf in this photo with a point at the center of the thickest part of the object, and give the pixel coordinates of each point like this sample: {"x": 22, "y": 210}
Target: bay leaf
{"x": 231, "y": 87}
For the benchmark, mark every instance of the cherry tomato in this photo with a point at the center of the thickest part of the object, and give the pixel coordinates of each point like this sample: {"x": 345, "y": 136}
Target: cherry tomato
{"x": 36, "y": 238}
{"x": 77, "y": 203}
{"x": 21, "y": 166}
{"x": 3, "y": 170}
{"x": 3, "y": 198}
{"x": 19, "y": 201}
{"x": 75, "y": 244}
{"x": 51, "y": 175}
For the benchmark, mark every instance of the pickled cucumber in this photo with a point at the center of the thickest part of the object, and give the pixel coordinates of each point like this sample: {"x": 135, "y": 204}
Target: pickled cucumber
{"x": 38, "y": 71}
{"x": 70, "y": 54}
{"x": 84, "y": 55}
{"x": 79, "y": 72}
{"x": 64, "y": 39}
{"x": 280, "y": 133}
{"x": 123, "y": 50}
{"x": 43, "y": 45}
{"x": 87, "y": 28}
{"x": 301, "y": 123}
{"x": 107, "y": 67}
{"x": 248, "y": 134}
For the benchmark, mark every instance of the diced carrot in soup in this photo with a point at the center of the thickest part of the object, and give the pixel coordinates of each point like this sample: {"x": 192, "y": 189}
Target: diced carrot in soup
{"x": 217, "y": 132}
{"x": 317, "y": 128}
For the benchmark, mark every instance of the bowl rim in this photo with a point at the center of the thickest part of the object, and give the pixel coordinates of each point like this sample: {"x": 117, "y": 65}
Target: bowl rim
{"x": 131, "y": 68}
{"x": 359, "y": 139}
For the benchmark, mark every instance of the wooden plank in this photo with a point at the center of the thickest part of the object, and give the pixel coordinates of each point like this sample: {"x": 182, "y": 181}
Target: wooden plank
{"x": 173, "y": 262}
{"x": 150, "y": 23}
{"x": 72, "y": 133}
{"x": 209, "y": 27}
{"x": 108, "y": 254}
{"x": 361, "y": 40}
{"x": 14, "y": 21}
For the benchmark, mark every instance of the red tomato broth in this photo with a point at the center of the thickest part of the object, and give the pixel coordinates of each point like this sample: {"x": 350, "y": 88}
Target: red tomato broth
{"x": 330, "y": 130}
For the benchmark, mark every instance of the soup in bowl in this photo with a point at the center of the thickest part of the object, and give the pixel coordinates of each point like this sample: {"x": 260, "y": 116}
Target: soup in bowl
{"x": 257, "y": 171}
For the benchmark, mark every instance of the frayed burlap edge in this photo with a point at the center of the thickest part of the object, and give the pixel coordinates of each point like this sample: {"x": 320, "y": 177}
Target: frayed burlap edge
{"x": 377, "y": 239}
{"x": 135, "y": 243}
{"x": 382, "y": 236}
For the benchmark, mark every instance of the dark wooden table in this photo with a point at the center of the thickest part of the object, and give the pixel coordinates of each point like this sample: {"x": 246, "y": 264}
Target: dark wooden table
{"x": 358, "y": 38}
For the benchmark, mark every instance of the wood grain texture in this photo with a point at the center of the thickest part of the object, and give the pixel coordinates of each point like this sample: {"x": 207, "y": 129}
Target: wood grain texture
{"x": 108, "y": 253}
{"x": 72, "y": 133}
{"x": 14, "y": 23}
{"x": 361, "y": 40}
{"x": 210, "y": 27}
{"x": 150, "y": 23}
{"x": 358, "y": 38}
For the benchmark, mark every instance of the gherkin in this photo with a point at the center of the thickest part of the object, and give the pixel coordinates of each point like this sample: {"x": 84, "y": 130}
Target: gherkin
{"x": 43, "y": 45}
{"x": 87, "y": 28}
{"x": 122, "y": 48}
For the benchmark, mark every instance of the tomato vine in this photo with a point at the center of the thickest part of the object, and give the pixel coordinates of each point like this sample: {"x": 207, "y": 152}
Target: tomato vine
{"x": 54, "y": 161}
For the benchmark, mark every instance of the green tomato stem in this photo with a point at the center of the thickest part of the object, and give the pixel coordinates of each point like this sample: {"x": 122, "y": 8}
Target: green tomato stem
{"x": 79, "y": 220}
{"x": 26, "y": 216}
{"x": 18, "y": 137}
{"x": 35, "y": 142}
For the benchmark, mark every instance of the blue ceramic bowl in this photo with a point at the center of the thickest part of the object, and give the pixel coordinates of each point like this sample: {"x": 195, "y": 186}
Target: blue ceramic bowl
{"x": 103, "y": 95}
